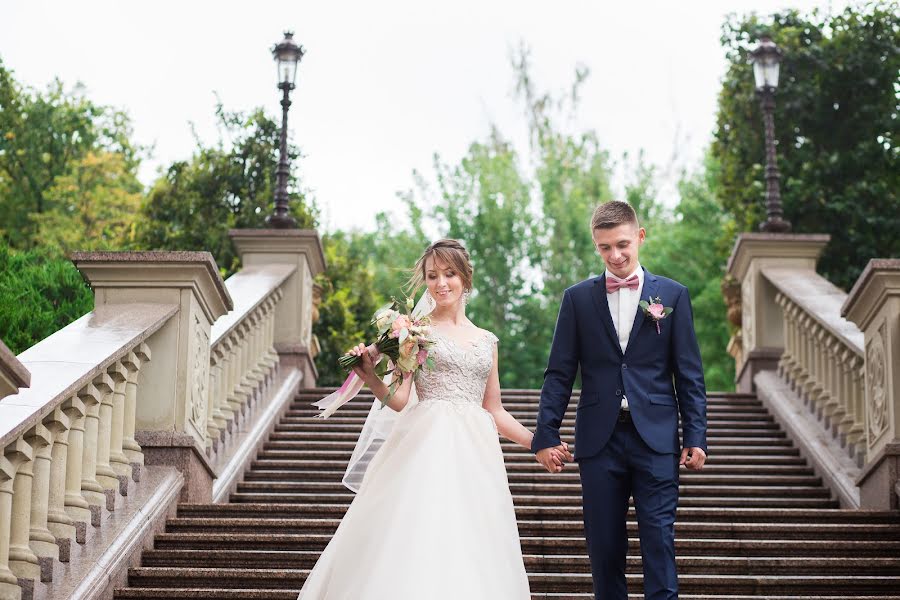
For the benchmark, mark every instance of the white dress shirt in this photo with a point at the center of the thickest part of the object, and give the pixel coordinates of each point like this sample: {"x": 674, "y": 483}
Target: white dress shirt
{"x": 623, "y": 306}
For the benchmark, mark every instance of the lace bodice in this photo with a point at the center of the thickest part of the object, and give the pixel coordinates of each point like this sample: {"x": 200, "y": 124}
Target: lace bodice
{"x": 460, "y": 370}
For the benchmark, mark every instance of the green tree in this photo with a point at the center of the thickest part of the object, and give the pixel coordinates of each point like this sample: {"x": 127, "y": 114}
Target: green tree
{"x": 93, "y": 206}
{"x": 229, "y": 184}
{"x": 346, "y": 309}
{"x": 837, "y": 127}
{"x": 41, "y": 135}
{"x": 692, "y": 247}
{"x": 40, "y": 293}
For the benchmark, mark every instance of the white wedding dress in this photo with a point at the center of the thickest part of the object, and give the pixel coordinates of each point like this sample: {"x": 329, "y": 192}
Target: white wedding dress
{"x": 434, "y": 516}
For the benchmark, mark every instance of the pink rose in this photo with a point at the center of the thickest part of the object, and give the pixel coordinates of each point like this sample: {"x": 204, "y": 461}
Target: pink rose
{"x": 401, "y": 322}
{"x": 657, "y": 311}
{"x": 422, "y": 356}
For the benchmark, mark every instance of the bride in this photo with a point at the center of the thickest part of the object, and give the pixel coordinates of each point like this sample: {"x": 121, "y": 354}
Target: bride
{"x": 434, "y": 516}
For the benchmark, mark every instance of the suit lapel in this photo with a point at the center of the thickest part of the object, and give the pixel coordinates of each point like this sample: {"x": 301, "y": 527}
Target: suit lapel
{"x": 598, "y": 293}
{"x": 651, "y": 285}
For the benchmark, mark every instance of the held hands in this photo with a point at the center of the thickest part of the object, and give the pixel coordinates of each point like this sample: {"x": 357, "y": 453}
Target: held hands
{"x": 554, "y": 458}
{"x": 693, "y": 458}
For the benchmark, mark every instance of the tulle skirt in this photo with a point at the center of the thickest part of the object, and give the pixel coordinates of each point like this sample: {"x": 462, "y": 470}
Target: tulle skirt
{"x": 433, "y": 519}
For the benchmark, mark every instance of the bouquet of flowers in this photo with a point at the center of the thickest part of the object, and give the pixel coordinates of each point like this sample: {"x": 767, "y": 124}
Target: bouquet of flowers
{"x": 403, "y": 339}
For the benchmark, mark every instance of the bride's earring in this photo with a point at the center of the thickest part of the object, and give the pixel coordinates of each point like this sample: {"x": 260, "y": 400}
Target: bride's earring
{"x": 466, "y": 296}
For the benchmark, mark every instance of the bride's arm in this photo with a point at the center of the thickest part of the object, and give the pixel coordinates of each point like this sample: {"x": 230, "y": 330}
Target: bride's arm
{"x": 506, "y": 423}
{"x": 366, "y": 371}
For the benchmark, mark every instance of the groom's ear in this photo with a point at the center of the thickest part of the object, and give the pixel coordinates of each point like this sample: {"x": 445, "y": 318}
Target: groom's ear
{"x": 642, "y": 235}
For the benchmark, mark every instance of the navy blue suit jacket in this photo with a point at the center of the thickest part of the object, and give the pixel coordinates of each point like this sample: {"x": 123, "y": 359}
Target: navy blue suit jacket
{"x": 660, "y": 373}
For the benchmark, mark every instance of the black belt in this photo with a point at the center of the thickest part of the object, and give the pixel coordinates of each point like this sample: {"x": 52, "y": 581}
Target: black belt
{"x": 624, "y": 415}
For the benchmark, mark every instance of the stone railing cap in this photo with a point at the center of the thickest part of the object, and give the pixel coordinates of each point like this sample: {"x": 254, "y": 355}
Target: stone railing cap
{"x": 773, "y": 241}
{"x": 13, "y": 368}
{"x": 317, "y": 259}
{"x": 161, "y": 257}
{"x": 861, "y": 293}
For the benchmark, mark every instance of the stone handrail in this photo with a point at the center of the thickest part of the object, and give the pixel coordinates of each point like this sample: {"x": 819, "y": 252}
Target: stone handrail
{"x": 826, "y": 363}
{"x": 100, "y": 412}
{"x": 68, "y": 440}
{"x": 13, "y": 374}
{"x": 823, "y": 355}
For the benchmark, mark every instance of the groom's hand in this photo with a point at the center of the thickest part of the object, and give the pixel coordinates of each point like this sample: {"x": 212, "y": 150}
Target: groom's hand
{"x": 693, "y": 458}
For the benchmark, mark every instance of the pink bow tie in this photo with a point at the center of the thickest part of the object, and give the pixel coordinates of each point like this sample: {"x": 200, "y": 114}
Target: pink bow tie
{"x": 613, "y": 285}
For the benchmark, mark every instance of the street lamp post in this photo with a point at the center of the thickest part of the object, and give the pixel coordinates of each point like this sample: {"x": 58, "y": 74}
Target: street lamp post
{"x": 287, "y": 55}
{"x": 766, "y": 59}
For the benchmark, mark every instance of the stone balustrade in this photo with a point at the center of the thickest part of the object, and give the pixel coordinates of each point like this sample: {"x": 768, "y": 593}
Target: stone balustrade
{"x": 827, "y": 363}
{"x": 161, "y": 394}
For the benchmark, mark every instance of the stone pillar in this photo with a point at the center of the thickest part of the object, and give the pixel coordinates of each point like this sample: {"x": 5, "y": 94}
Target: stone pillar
{"x": 91, "y": 489}
{"x": 13, "y": 374}
{"x": 171, "y": 415}
{"x": 14, "y": 455}
{"x": 874, "y": 305}
{"x": 762, "y": 335}
{"x": 293, "y": 315}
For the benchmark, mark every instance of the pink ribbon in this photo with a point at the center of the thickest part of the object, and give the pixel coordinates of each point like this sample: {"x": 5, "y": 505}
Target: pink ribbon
{"x": 348, "y": 391}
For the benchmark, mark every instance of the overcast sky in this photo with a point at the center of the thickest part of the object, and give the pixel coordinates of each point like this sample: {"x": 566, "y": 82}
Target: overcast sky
{"x": 385, "y": 85}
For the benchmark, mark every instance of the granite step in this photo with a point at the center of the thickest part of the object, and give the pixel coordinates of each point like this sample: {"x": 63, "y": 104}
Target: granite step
{"x": 756, "y": 523}
{"x": 540, "y": 582}
{"x": 685, "y": 514}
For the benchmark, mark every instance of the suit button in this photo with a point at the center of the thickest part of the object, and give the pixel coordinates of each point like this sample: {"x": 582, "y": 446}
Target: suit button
{"x": 624, "y": 366}
{"x": 618, "y": 392}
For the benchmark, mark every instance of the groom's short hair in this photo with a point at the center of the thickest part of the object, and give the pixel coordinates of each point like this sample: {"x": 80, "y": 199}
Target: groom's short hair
{"x": 612, "y": 214}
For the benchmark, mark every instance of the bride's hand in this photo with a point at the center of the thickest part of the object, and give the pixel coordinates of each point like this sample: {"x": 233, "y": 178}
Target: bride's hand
{"x": 365, "y": 370}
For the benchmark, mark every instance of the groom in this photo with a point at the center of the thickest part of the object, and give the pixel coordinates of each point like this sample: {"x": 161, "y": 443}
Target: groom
{"x": 640, "y": 368}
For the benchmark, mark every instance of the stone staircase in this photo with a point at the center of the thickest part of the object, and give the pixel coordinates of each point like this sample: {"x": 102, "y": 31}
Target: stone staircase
{"x": 755, "y": 523}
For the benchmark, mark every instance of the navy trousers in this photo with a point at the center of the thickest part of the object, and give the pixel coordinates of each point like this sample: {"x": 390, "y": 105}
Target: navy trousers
{"x": 628, "y": 467}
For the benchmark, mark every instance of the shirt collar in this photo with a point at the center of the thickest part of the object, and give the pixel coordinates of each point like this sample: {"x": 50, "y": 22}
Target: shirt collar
{"x": 639, "y": 271}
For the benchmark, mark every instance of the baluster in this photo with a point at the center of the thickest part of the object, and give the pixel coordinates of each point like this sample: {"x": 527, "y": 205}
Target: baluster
{"x": 14, "y": 455}
{"x": 22, "y": 561}
{"x": 232, "y": 393}
{"x": 42, "y": 541}
{"x": 60, "y": 524}
{"x": 90, "y": 487}
{"x": 215, "y": 422}
{"x": 270, "y": 357}
{"x": 133, "y": 363}
{"x": 119, "y": 463}
{"x": 222, "y": 414}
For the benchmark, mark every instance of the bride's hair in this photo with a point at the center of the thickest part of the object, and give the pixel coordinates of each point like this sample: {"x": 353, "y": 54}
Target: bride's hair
{"x": 450, "y": 252}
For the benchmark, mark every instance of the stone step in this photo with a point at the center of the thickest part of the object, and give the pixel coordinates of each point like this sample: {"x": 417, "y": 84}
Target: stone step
{"x": 775, "y": 501}
{"x": 307, "y": 439}
{"x": 551, "y": 545}
{"x": 334, "y": 469}
{"x": 687, "y": 477}
{"x": 738, "y": 456}
{"x": 277, "y": 594}
{"x": 550, "y": 488}
{"x": 540, "y": 582}
{"x": 354, "y": 424}
{"x": 575, "y": 528}
{"x": 727, "y": 565}
{"x": 685, "y": 514}
{"x": 345, "y": 432}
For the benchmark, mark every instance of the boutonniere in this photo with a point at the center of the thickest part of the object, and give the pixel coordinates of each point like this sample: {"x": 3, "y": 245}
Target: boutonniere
{"x": 655, "y": 310}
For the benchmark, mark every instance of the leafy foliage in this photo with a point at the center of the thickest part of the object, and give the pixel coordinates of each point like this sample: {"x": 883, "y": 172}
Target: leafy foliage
{"x": 40, "y": 293}
{"x": 837, "y": 127}
{"x": 42, "y": 134}
{"x": 230, "y": 184}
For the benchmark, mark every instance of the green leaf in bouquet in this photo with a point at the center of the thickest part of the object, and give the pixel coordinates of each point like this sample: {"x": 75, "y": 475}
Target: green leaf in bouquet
{"x": 429, "y": 362}
{"x": 404, "y": 333}
{"x": 668, "y": 310}
{"x": 381, "y": 369}
{"x": 644, "y": 304}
